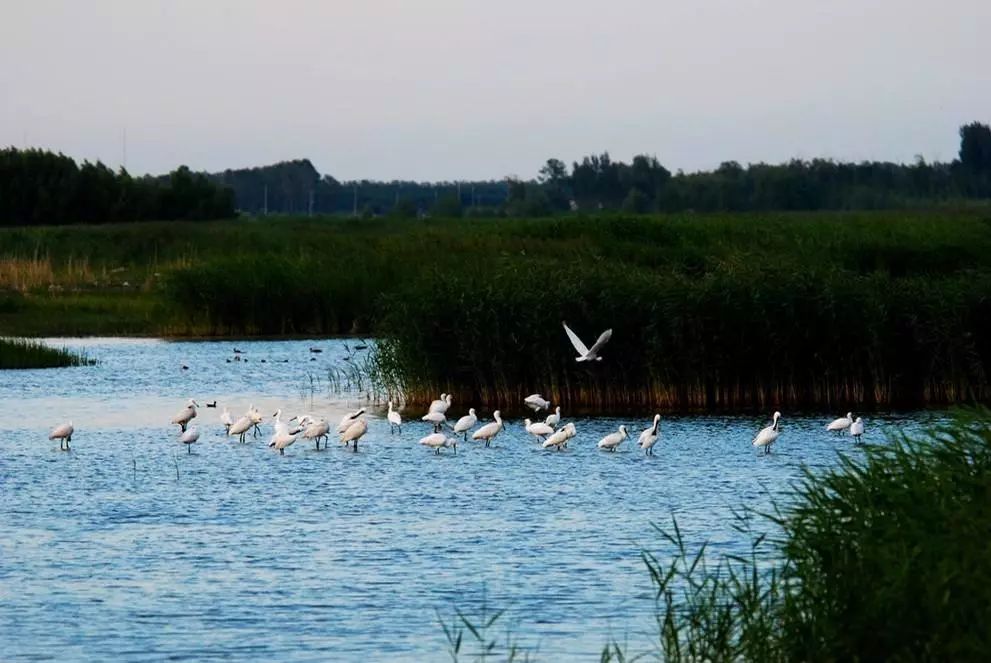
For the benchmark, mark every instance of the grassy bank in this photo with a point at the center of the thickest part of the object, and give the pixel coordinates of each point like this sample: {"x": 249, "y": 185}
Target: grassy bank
{"x": 708, "y": 311}
{"x": 884, "y": 558}
{"x": 20, "y": 353}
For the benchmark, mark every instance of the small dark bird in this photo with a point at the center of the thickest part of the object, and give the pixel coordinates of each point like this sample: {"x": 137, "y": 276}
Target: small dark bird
{"x": 313, "y": 358}
{"x": 185, "y": 368}
{"x": 315, "y": 350}
{"x": 228, "y": 361}
{"x": 213, "y": 404}
{"x": 286, "y": 361}
{"x": 236, "y": 351}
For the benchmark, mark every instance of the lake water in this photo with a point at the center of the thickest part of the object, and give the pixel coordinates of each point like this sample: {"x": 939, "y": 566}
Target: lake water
{"x": 334, "y": 555}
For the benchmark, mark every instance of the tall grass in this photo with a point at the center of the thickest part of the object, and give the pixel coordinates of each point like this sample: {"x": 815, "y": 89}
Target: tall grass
{"x": 709, "y": 311}
{"x": 21, "y": 353}
{"x": 886, "y": 557}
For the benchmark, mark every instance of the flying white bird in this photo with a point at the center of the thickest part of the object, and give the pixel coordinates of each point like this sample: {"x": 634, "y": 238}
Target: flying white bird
{"x": 612, "y": 441}
{"x": 395, "y": 421}
{"x": 539, "y": 430}
{"x": 560, "y": 438}
{"x": 354, "y": 432}
{"x": 650, "y": 436}
{"x": 767, "y": 436}
{"x": 226, "y": 419}
{"x": 489, "y": 431}
{"x": 587, "y": 354}
{"x": 436, "y": 418}
{"x": 536, "y": 402}
{"x": 438, "y": 441}
{"x": 554, "y": 419}
{"x": 857, "y": 429}
{"x": 62, "y": 433}
{"x": 189, "y": 438}
{"x": 349, "y": 419}
{"x": 441, "y": 405}
{"x": 185, "y": 415}
{"x": 466, "y": 423}
{"x": 840, "y": 424}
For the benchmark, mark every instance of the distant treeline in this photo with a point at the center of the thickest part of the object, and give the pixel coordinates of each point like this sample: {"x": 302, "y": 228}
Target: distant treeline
{"x": 598, "y": 182}
{"x": 40, "y": 187}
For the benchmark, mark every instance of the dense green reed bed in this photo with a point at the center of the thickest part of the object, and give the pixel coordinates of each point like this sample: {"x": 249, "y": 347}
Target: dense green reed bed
{"x": 20, "y": 353}
{"x": 708, "y": 311}
{"x": 886, "y": 557}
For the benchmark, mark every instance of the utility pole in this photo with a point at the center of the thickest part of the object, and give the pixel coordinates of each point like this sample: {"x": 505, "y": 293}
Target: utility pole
{"x": 123, "y": 148}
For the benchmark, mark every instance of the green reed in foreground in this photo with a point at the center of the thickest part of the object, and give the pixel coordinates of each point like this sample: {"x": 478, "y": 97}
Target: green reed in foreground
{"x": 19, "y": 353}
{"x": 886, "y": 557}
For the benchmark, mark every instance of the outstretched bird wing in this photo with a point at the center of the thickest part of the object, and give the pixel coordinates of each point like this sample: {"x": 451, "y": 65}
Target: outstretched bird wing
{"x": 603, "y": 339}
{"x": 575, "y": 341}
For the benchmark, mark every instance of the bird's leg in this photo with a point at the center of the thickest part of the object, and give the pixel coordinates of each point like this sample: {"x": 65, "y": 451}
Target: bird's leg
{"x": 282, "y": 452}
{"x": 356, "y": 445}
{"x": 189, "y": 448}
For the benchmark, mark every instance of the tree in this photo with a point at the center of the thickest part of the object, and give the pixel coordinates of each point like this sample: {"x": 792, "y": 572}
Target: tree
{"x": 636, "y": 202}
{"x": 975, "y": 147}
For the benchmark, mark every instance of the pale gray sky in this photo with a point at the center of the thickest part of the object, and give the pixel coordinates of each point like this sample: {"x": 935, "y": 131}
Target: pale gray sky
{"x": 444, "y": 89}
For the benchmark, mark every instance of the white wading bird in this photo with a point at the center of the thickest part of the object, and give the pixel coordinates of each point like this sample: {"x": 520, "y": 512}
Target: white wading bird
{"x": 536, "y": 402}
{"x": 857, "y": 429}
{"x": 587, "y": 354}
{"x": 840, "y": 424}
{"x": 226, "y": 419}
{"x": 767, "y": 436}
{"x": 539, "y": 430}
{"x": 436, "y": 418}
{"x": 63, "y": 434}
{"x": 189, "y": 438}
{"x": 649, "y": 437}
{"x": 349, "y": 419}
{"x": 395, "y": 421}
{"x": 354, "y": 432}
{"x": 282, "y": 439}
{"x": 466, "y": 423}
{"x": 256, "y": 419}
{"x": 560, "y": 438}
{"x": 438, "y": 441}
{"x": 185, "y": 415}
{"x": 554, "y": 419}
{"x": 241, "y": 426}
{"x": 317, "y": 431}
{"x": 441, "y": 405}
{"x": 612, "y": 441}
{"x": 489, "y": 431}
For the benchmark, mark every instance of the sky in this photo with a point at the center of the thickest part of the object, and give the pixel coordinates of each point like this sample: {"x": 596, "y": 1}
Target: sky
{"x": 446, "y": 89}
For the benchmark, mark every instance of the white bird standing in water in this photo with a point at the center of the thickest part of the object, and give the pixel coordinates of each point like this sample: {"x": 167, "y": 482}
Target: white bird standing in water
{"x": 226, "y": 419}
{"x": 189, "y": 438}
{"x": 395, "y": 420}
{"x": 354, "y": 432}
{"x": 768, "y": 436}
{"x": 441, "y": 405}
{"x": 650, "y": 436}
{"x": 840, "y": 424}
{"x": 554, "y": 419}
{"x": 256, "y": 419}
{"x": 349, "y": 419}
{"x": 490, "y": 430}
{"x": 282, "y": 439}
{"x": 536, "y": 402}
{"x": 587, "y": 354}
{"x": 612, "y": 441}
{"x": 560, "y": 438}
{"x": 62, "y": 433}
{"x": 185, "y": 415}
{"x": 241, "y": 427}
{"x": 316, "y": 431}
{"x": 539, "y": 430}
{"x": 436, "y": 418}
{"x": 438, "y": 441}
{"x": 857, "y": 429}
{"x": 466, "y": 423}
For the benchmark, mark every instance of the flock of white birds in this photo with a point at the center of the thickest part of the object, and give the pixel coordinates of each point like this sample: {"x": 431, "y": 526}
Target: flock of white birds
{"x": 353, "y": 426}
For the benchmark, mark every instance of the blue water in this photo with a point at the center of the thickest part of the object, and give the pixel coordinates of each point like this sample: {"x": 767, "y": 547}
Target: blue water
{"x": 331, "y": 555}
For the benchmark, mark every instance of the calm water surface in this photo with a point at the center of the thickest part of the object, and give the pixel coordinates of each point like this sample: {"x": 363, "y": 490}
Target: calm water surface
{"x": 331, "y": 555}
